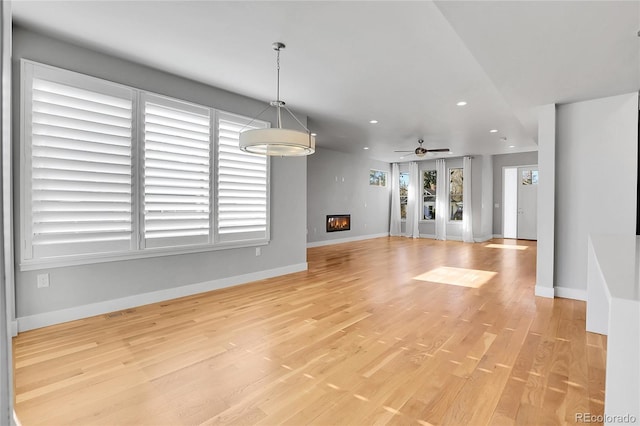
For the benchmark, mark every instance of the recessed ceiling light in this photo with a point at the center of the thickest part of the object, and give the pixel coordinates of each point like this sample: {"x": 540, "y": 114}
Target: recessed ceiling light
{"x": 366, "y": 147}
{"x": 461, "y": 103}
{"x": 512, "y": 146}
{"x": 314, "y": 134}
{"x": 373, "y": 121}
{"x": 450, "y": 153}
{"x": 493, "y": 131}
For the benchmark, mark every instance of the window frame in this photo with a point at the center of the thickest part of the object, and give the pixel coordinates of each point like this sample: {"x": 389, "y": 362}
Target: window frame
{"x": 215, "y": 172}
{"x": 422, "y": 219}
{"x": 137, "y": 249}
{"x": 449, "y": 220}
{"x": 167, "y": 102}
{"x": 403, "y": 219}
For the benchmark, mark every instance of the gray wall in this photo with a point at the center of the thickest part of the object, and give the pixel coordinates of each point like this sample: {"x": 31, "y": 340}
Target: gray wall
{"x": 500, "y": 161}
{"x": 596, "y": 169}
{"x": 79, "y": 285}
{"x": 338, "y": 183}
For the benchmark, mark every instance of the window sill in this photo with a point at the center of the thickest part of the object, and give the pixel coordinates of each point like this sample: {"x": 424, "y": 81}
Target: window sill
{"x": 88, "y": 259}
{"x": 427, "y": 220}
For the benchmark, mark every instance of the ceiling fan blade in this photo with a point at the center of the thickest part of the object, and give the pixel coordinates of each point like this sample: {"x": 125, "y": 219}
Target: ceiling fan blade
{"x": 402, "y": 151}
{"x": 439, "y": 150}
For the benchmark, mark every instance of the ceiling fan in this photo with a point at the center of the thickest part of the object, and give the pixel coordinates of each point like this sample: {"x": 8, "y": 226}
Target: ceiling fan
{"x": 420, "y": 151}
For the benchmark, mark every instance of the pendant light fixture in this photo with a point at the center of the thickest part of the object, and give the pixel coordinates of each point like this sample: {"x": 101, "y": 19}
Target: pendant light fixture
{"x": 278, "y": 141}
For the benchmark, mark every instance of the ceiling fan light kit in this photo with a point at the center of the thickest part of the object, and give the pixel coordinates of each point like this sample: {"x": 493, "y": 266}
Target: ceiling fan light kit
{"x": 278, "y": 141}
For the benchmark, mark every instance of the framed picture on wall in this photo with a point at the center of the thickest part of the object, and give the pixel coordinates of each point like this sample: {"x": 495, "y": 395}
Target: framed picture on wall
{"x": 377, "y": 178}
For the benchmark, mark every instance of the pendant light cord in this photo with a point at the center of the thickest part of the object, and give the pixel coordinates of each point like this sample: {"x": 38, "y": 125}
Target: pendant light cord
{"x": 278, "y": 104}
{"x": 278, "y": 75}
{"x": 279, "y": 117}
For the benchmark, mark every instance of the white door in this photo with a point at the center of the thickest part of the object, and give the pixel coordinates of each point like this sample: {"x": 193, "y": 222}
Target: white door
{"x": 528, "y": 203}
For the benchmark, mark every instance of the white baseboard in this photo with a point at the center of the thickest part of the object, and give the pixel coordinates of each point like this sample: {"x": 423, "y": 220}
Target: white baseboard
{"x": 497, "y": 236}
{"x": 431, "y": 236}
{"x": 70, "y": 314}
{"x": 454, "y": 237}
{"x": 483, "y": 238}
{"x": 346, "y": 240}
{"x": 544, "y": 291}
{"x": 14, "y": 328}
{"x": 571, "y": 293}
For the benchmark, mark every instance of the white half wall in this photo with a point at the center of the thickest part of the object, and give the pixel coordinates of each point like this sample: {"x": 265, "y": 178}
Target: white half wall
{"x": 596, "y": 168}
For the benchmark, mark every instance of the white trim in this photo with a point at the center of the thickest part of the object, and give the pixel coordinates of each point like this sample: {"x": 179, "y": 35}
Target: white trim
{"x": 14, "y": 328}
{"x": 571, "y": 293}
{"x": 454, "y": 237}
{"x": 346, "y": 240}
{"x": 497, "y": 236}
{"x": 70, "y": 314}
{"x": 34, "y": 265}
{"x": 431, "y": 236}
{"x": 544, "y": 291}
{"x": 7, "y": 384}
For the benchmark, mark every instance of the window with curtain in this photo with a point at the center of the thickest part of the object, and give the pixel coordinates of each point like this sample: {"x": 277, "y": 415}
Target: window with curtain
{"x": 429, "y": 190}
{"x": 110, "y": 170}
{"x": 404, "y": 194}
{"x": 455, "y": 194}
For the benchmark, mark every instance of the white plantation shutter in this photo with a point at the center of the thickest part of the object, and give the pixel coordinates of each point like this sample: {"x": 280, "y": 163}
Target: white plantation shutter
{"x": 243, "y": 184}
{"x": 78, "y": 175}
{"x": 108, "y": 171}
{"x": 177, "y": 172}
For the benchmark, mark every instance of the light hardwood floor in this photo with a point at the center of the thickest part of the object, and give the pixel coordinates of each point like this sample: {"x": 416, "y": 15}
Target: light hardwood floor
{"x": 355, "y": 340}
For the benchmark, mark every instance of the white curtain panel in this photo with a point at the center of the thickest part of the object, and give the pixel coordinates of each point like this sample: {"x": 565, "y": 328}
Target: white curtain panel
{"x": 395, "y": 223}
{"x": 442, "y": 195}
{"x": 467, "y": 212}
{"x": 414, "y": 201}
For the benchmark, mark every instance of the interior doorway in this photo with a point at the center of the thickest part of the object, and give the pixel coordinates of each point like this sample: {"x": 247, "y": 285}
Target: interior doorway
{"x": 520, "y": 202}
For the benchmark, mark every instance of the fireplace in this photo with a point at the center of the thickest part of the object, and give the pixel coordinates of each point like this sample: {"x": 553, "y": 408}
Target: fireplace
{"x": 338, "y": 222}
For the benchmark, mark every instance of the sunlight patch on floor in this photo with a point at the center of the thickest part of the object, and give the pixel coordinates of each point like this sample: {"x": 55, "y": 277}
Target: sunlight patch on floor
{"x": 472, "y": 278}
{"x": 507, "y": 246}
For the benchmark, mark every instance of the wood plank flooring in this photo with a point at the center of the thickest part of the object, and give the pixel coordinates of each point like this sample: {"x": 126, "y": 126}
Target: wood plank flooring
{"x": 355, "y": 340}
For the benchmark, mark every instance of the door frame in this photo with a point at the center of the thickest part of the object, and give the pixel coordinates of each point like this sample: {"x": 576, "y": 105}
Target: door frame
{"x": 504, "y": 192}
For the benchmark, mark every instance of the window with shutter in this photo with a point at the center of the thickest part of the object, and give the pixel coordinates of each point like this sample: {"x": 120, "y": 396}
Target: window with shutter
{"x": 243, "y": 184}
{"x": 110, "y": 172}
{"x": 176, "y": 162}
{"x": 78, "y": 188}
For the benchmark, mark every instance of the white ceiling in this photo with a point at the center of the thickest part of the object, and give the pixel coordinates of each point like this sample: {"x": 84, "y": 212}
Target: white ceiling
{"x": 405, "y": 64}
